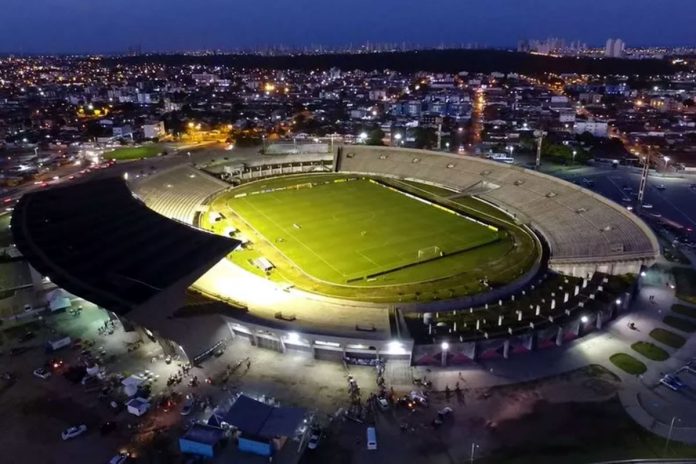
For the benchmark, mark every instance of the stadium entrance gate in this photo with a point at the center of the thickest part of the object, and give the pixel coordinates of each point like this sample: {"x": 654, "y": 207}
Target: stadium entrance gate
{"x": 269, "y": 343}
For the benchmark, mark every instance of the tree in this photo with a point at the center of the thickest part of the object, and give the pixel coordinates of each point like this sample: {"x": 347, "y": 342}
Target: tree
{"x": 425, "y": 137}
{"x": 375, "y": 136}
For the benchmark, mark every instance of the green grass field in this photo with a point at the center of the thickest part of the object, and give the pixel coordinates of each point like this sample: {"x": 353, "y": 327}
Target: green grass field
{"x": 628, "y": 363}
{"x": 349, "y": 237}
{"x": 134, "y": 153}
{"x": 330, "y": 234}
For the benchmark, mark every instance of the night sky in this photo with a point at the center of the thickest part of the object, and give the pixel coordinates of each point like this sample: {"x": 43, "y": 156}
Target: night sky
{"x": 33, "y": 26}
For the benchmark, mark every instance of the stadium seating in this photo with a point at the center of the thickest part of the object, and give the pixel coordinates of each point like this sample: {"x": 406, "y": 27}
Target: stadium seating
{"x": 577, "y": 224}
{"x": 177, "y": 193}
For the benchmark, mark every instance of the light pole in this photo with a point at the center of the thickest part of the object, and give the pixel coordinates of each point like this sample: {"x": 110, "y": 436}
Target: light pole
{"x": 397, "y": 138}
{"x": 443, "y": 360}
{"x": 669, "y": 434}
{"x": 473, "y": 449}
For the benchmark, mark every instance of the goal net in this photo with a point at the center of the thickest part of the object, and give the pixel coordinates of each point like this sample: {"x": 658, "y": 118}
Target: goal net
{"x": 430, "y": 252}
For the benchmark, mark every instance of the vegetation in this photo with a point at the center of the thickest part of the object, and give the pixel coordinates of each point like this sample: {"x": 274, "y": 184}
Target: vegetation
{"x": 684, "y": 310}
{"x": 453, "y": 61}
{"x": 628, "y": 363}
{"x": 685, "y": 279}
{"x": 680, "y": 324}
{"x": 582, "y": 433}
{"x": 134, "y": 153}
{"x": 5, "y": 231}
{"x": 650, "y": 351}
{"x": 668, "y": 338}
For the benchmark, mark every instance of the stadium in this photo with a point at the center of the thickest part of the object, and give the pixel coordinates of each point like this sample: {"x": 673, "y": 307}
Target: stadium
{"x": 358, "y": 252}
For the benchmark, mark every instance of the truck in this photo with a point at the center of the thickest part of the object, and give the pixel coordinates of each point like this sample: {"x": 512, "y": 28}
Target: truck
{"x": 55, "y": 345}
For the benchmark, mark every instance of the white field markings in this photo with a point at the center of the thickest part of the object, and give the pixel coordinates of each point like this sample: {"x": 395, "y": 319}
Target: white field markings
{"x": 294, "y": 237}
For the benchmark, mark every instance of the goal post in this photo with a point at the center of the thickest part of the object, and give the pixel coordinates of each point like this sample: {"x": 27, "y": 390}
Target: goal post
{"x": 429, "y": 252}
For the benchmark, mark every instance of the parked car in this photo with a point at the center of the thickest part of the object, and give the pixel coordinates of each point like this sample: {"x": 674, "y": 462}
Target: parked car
{"x": 313, "y": 440}
{"x": 26, "y": 336}
{"x": 120, "y": 458}
{"x": 42, "y": 373}
{"x": 187, "y": 406}
{"x": 73, "y": 432}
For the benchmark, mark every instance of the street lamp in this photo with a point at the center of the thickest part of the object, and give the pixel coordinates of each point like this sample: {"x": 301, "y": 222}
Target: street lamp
{"x": 397, "y": 138}
{"x": 362, "y": 137}
{"x": 584, "y": 319}
{"x": 473, "y": 449}
{"x": 444, "y": 346}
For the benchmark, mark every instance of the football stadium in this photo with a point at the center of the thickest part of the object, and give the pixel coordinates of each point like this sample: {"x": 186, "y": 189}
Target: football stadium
{"x": 359, "y": 251}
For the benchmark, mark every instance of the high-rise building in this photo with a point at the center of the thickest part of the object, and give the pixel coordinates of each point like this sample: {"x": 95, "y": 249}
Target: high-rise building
{"x": 614, "y": 48}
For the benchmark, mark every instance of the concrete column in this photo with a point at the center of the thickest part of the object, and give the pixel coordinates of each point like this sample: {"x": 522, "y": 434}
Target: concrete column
{"x": 598, "y": 320}
{"x": 559, "y": 336}
{"x": 443, "y": 358}
{"x": 506, "y": 349}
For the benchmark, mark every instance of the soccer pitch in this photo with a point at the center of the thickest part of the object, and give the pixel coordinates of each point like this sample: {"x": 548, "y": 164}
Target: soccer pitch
{"x": 344, "y": 231}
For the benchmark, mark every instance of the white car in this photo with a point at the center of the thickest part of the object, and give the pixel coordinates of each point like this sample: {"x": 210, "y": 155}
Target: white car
{"x": 313, "y": 441}
{"x": 73, "y": 432}
{"x": 42, "y": 373}
{"x": 187, "y": 407}
{"x": 120, "y": 458}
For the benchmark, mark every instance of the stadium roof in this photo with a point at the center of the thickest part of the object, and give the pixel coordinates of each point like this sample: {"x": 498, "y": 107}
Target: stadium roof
{"x": 257, "y": 419}
{"x": 98, "y": 241}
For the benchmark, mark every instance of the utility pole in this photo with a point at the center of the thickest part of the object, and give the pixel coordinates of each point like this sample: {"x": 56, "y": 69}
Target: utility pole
{"x": 439, "y": 134}
{"x": 539, "y": 134}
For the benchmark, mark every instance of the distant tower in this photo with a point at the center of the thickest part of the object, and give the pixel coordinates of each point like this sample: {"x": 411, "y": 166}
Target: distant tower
{"x": 614, "y": 48}
{"x": 609, "y": 48}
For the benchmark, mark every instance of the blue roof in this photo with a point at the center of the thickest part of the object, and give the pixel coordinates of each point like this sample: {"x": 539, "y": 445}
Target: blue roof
{"x": 203, "y": 433}
{"x": 258, "y": 419}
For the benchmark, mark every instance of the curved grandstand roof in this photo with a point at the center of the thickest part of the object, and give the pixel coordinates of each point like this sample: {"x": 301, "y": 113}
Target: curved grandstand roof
{"x": 98, "y": 241}
{"x": 579, "y": 225}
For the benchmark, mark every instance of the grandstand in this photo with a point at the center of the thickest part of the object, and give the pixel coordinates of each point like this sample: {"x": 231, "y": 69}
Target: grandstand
{"x": 584, "y": 231}
{"x": 177, "y": 193}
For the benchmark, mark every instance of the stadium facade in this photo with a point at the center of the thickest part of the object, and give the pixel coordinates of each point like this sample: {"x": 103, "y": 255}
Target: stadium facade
{"x": 109, "y": 242}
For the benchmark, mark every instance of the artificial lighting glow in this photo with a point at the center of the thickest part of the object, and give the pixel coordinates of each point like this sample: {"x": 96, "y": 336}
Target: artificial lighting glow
{"x": 618, "y": 301}
{"x": 584, "y": 319}
{"x": 395, "y": 347}
{"x": 292, "y": 337}
{"x": 444, "y": 346}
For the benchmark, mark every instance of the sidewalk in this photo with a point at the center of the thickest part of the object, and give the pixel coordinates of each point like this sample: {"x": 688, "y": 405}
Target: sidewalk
{"x": 596, "y": 348}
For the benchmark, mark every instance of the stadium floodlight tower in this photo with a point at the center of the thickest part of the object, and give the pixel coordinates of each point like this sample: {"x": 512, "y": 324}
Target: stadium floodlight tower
{"x": 644, "y": 177}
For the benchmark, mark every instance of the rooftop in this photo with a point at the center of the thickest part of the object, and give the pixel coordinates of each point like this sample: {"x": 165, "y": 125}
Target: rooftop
{"x": 98, "y": 241}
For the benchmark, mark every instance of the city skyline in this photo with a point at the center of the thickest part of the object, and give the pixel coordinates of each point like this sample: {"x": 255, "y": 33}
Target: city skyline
{"x": 77, "y": 26}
